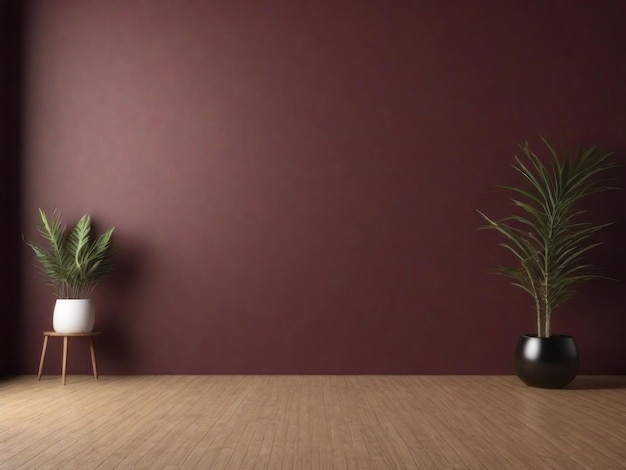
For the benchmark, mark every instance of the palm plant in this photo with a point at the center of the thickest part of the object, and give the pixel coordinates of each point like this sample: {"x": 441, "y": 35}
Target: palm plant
{"x": 73, "y": 262}
{"x": 549, "y": 239}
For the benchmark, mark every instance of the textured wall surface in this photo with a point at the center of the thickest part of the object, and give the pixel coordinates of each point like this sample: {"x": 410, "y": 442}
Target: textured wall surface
{"x": 294, "y": 187}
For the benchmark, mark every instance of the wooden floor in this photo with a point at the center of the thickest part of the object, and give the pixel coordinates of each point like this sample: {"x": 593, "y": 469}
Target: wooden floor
{"x": 310, "y": 422}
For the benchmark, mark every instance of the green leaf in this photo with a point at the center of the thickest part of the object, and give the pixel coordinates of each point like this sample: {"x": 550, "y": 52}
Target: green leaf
{"x": 73, "y": 263}
{"x": 547, "y": 236}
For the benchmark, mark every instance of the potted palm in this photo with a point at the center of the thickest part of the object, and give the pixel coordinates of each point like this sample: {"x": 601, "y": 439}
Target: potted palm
{"x": 550, "y": 237}
{"x": 73, "y": 262}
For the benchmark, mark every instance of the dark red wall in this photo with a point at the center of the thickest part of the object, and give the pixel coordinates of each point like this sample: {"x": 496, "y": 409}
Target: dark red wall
{"x": 10, "y": 116}
{"x": 294, "y": 186}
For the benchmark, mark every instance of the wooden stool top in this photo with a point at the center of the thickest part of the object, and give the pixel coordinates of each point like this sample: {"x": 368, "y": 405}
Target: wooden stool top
{"x": 88, "y": 333}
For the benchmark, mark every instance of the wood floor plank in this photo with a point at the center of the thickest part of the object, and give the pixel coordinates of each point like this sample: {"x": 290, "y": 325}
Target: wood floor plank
{"x": 311, "y": 422}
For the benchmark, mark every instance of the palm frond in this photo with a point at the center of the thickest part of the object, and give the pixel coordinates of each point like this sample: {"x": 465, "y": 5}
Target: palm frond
{"x": 548, "y": 239}
{"x": 72, "y": 262}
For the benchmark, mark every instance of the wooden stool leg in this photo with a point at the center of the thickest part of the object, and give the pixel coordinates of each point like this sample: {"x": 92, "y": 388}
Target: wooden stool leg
{"x": 66, "y": 340}
{"x": 93, "y": 358}
{"x": 43, "y": 356}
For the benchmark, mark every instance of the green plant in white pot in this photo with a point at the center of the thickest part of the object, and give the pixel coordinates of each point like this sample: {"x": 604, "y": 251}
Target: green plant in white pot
{"x": 549, "y": 236}
{"x": 73, "y": 262}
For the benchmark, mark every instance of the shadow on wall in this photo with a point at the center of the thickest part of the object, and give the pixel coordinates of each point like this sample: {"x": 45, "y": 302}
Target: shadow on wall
{"x": 610, "y": 207}
{"x": 614, "y": 253}
{"x": 116, "y": 305}
{"x": 11, "y": 26}
{"x": 601, "y": 303}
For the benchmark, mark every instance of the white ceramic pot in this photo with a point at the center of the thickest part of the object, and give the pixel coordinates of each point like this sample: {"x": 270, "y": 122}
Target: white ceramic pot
{"x": 73, "y": 316}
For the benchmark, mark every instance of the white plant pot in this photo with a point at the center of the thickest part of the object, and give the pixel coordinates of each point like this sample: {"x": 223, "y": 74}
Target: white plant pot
{"x": 73, "y": 316}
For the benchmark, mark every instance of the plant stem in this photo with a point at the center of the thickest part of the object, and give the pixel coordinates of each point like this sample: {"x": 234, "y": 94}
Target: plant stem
{"x": 538, "y": 307}
{"x": 546, "y": 284}
{"x": 547, "y": 311}
{"x": 535, "y": 296}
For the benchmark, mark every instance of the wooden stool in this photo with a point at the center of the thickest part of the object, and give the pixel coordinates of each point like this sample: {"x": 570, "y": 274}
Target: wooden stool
{"x": 66, "y": 339}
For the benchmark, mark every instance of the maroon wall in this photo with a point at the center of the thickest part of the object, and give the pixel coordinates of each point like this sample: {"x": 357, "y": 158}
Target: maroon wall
{"x": 294, "y": 186}
{"x": 10, "y": 67}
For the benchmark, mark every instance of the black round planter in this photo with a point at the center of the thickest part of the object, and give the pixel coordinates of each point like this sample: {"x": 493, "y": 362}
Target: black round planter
{"x": 546, "y": 362}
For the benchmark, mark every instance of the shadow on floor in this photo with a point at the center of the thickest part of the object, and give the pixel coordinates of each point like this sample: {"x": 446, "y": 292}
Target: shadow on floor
{"x": 598, "y": 382}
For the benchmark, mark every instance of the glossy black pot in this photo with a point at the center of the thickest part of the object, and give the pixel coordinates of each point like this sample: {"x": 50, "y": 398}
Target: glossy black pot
{"x": 546, "y": 362}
